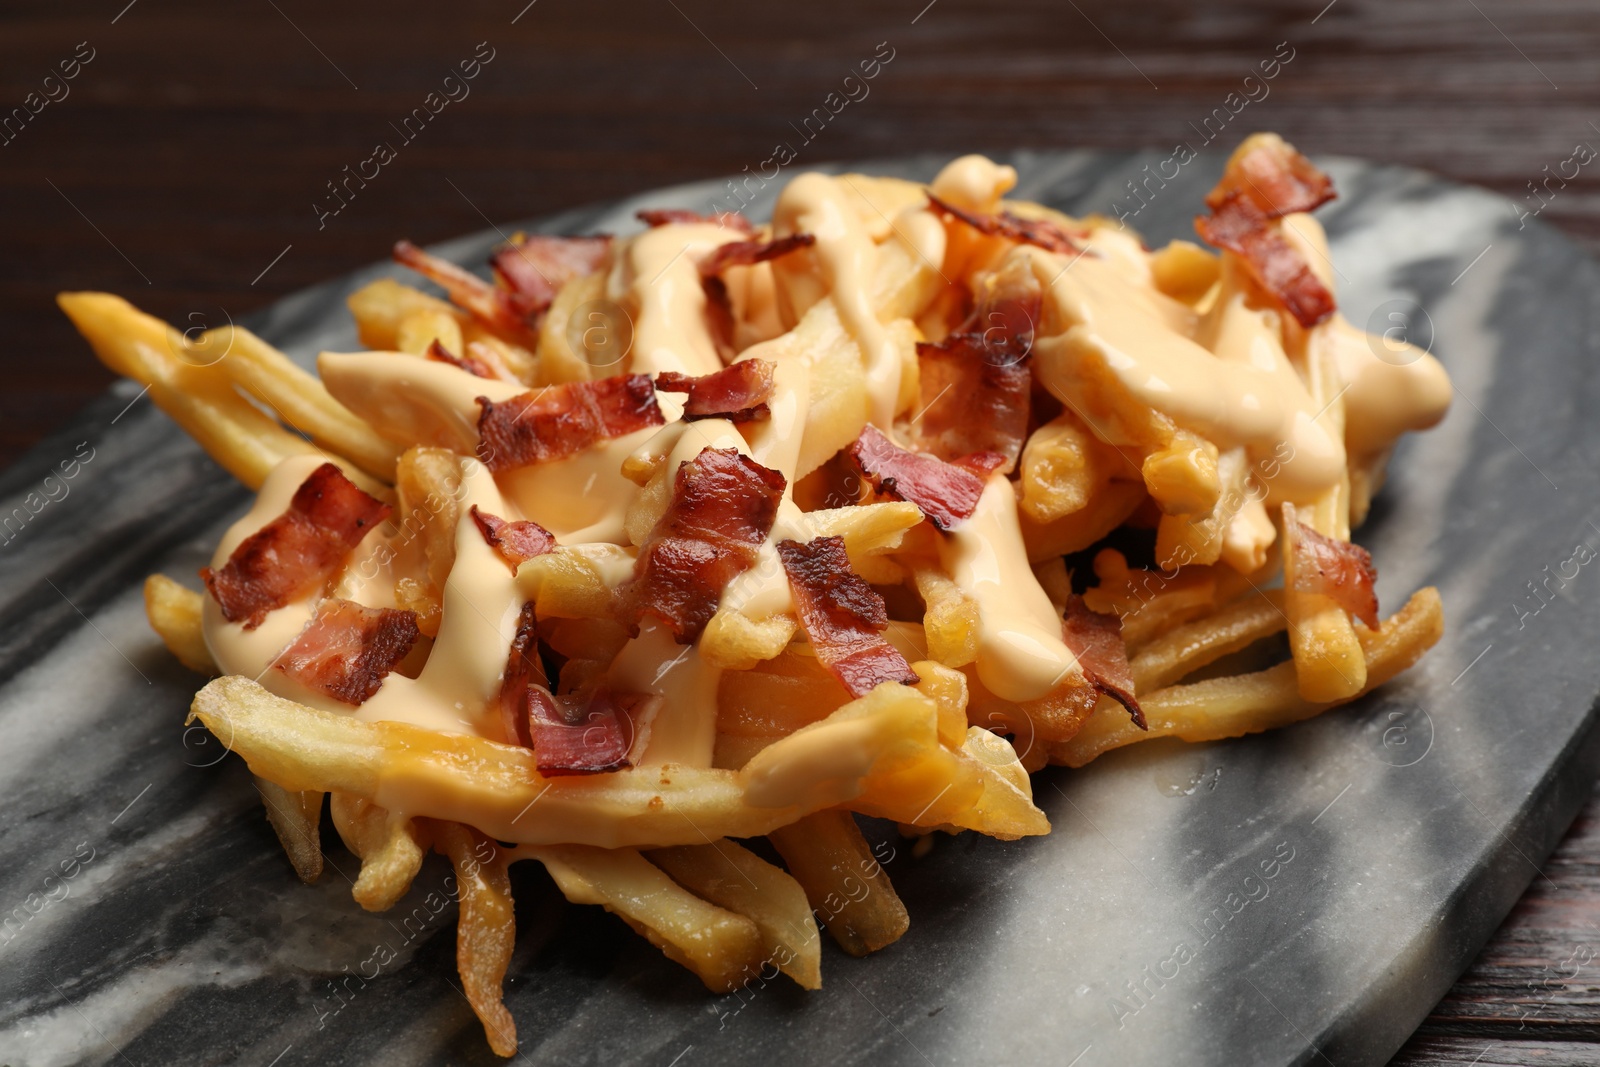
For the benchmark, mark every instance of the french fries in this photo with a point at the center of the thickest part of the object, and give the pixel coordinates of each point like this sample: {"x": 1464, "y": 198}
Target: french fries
{"x": 847, "y": 886}
{"x": 174, "y": 614}
{"x": 295, "y": 816}
{"x": 391, "y": 848}
{"x": 487, "y": 931}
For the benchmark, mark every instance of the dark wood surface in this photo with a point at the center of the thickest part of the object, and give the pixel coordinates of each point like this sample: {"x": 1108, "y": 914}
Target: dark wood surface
{"x": 184, "y": 163}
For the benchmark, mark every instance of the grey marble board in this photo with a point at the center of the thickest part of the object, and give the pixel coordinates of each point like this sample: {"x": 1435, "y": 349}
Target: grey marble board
{"x": 1303, "y": 896}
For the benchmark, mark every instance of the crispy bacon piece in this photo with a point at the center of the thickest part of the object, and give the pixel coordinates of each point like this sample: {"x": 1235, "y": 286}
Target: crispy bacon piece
{"x": 296, "y": 552}
{"x": 347, "y": 649}
{"x": 1265, "y": 180}
{"x": 1039, "y": 232}
{"x": 843, "y": 616}
{"x": 738, "y": 392}
{"x": 1097, "y": 642}
{"x": 1336, "y": 569}
{"x": 515, "y": 541}
{"x": 501, "y": 310}
{"x": 723, "y": 506}
{"x": 946, "y": 493}
{"x": 560, "y": 420}
{"x": 524, "y": 669}
{"x": 535, "y": 266}
{"x": 471, "y": 364}
{"x": 728, "y": 220}
{"x": 719, "y": 307}
{"x": 585, "y": 734}
{"x": 976, "y": 384}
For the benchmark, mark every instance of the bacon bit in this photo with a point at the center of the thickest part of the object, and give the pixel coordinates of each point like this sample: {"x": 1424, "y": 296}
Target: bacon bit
{"x": 719, "y": 306}
{"x": 1039, "y": 232}
{"x": 843, "y": 616}
{"x": 535, "y": 266}
{"x": 1338, "y": 570}
{"x": 561, "y": 420}
{"x": 471, "y": 364}
{"x": 738, "y": 393}
{"x": 976, "y": 385}
{"x": 946, "y": 493}
{"x": 1097, "y": 642}
{"x": 347, "y": 649}
{"x": 983, "y": 464}
{"x": 728, "y": 220}
{"x": 296, "y": 552}
{"x": 499, "y": 309}
{"x": 524, "y": 669}
{"x": 585, "y": 735}
{"x": 723, "y": 506}
{"x": 516, "y": 541}
{"x": 1265, "y": 180}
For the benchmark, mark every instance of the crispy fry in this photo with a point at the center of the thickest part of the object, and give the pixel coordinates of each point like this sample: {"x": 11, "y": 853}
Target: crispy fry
{"x": 849, "y": 890}
{"x": 391, "y": 848}
{"x": 295, "y": 817}
{"x": 732, "y": 877}
{"x": 486, "y": 932}
{"x": 1249, "y": 703}
{"x": 1185, "y": 649}
{"x": 951, "y": 620}
{"x": 174, "y": 614}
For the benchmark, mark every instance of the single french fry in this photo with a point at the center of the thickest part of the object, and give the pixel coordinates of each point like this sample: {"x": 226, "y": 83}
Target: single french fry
{"x": 1184, "y": 271}
{"x": 295, "y": 816}
{"x": 1185, "y": 649}
{"x": 734, "y": 641}
{"x": 731, "y": 876}
{"x": 1063, "y": 465}
{"x": 174, "y": 614}
{"x": 950, "y": 623}
{"x": 428, "y": 484}
{"x": 777, "y": 697}
{"x": 849, "y": 890}
{"x": 560, "y": 360}
{"x": 1249, "y": 703}
{"x": 380, "y": 308}
{"x": 391, "y": 848}
{"x": 1199, "y": 538}
{"x": 1327, "y": 651}
{"x": 724, "y": 949}
{"x": 1105, "y": 511}
{"x": 486, "y": 932}
{"x": 1182, "y": 477}
{"x": 417, "y": 331}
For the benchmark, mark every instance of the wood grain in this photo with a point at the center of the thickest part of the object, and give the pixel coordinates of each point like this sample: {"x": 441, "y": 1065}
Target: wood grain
{"x": 190, "y": 151}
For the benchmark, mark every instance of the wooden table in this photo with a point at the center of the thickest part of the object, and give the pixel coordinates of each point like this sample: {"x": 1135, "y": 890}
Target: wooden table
{"x": 185, "y": 163}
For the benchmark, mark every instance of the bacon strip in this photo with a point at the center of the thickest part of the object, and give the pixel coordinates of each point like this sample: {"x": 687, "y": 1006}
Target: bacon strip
{"x": 1039, "y": 232}
{"x": 515, "y": 541}
{"x": 976, "y": 384}
{"x": 719, "y": 306}
{"x": 946, "y": 493}
{"x": 524, "y": 669}
{"x": 843, "y": 616}
{"x": 535, "y": 266}
{"x": 1265, "y": 180}
{"x": 586, "y": 735}
{"x": 728, "y": 220}
{"x": 1336, "y": 569}
{"x": 723, "y": 506}
{"x": 1097, "y": 642}
{"x": 471, "y": 364}
{"x": 561, "y": 420}
{"x": 347, "y": 649}
{"x": 499, "y": 309}
{"x": 738, "y": 392}
{"x": 298, "y": 551}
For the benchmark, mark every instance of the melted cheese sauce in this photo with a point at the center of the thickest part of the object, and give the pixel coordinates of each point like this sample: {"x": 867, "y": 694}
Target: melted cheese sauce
{"x": 1107, "y": 337}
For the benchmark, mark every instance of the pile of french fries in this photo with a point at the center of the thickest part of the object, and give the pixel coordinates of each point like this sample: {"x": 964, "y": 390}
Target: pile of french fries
{"x": 659, "y": 846}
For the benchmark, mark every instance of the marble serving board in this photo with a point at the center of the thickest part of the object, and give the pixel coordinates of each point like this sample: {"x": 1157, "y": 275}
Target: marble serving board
{"x": 1295, "y": 897}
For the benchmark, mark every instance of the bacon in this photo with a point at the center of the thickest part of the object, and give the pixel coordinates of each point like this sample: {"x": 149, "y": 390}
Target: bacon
{"x": 843, "y": 616}
{"x": 1336, "y": 569}
{"x": 719, "y": 306}
{"x": 738, "y": 392}
{"x": 347, "y": 649}
{"x": 524, "y": 669}
{"x": 471, "y": 364}
{"x": 535, "y": 266}
{"x": 586, "y": 735}
{"x": 1097, "y": 642}
{"x": 561, "y": 420}
{"x": 515, "y": 541}
{"x": 723, "y": 506}
{"x": 1265, "y": 180}
{"x": 728, "y": 220}
{"x": 976, "y": 384}
{"x": 946, "y": 493}
{"x": 298, "y": 551}
{"x": 501, "y": 310}
{"x": 1039, "y": 232}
